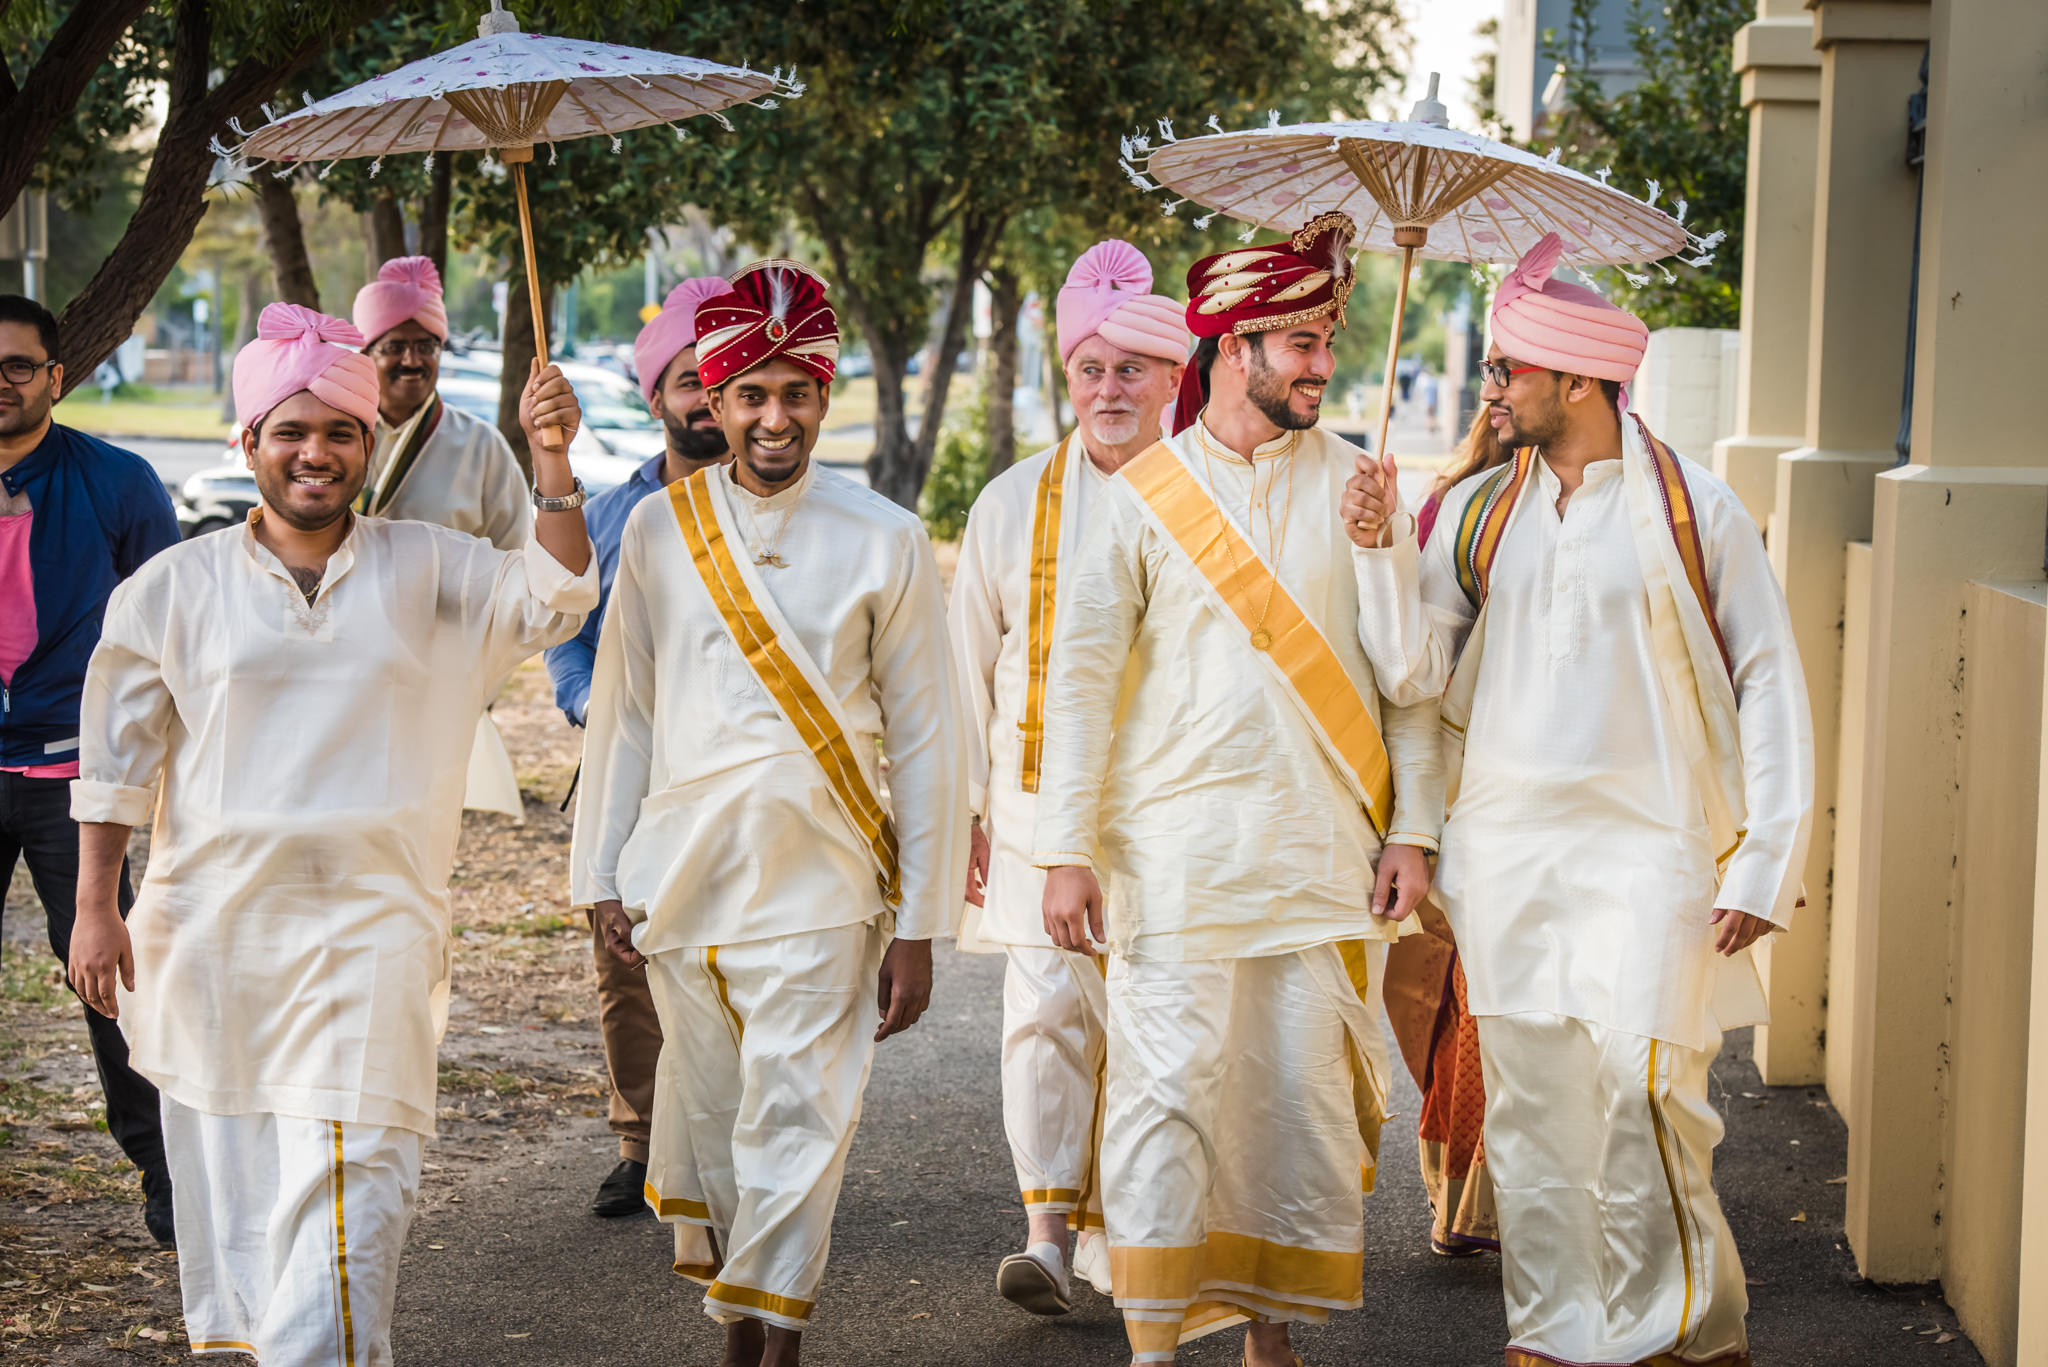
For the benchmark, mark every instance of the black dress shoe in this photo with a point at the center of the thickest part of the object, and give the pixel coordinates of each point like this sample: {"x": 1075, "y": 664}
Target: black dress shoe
{"x": 156, "y": 1209}
{"x": 623, "y": 1193}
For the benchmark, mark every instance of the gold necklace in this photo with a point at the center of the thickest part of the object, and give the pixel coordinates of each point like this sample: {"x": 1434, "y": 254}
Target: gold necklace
{"x": 1262, "y": 639}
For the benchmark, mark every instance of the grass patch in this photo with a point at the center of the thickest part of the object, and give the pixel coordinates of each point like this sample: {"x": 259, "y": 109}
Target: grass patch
{"x": 149, "y": 412}
{"x": 33, "y": 979}
{"x": 55, "y": 1174}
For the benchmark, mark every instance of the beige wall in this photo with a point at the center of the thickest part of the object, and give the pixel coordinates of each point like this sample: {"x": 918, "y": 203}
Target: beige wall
{"x": 1991, "y": 958}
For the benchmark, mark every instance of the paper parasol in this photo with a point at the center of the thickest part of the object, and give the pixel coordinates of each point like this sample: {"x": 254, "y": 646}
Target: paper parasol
{"x": 506, "y": 91}
{"x": 1417, "y": 187}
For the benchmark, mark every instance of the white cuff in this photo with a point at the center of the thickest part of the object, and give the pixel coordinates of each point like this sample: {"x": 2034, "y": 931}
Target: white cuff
{"x": 113, "y": 804}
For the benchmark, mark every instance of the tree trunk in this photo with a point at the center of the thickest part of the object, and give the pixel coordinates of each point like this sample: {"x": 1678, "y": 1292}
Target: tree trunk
{"x": 517, "y": 347}
{"x": 892, "y": 428}
{"x": 433, "y": 213}
{"x": 902, "y": 480}
{"x": 278, "y": 206}
{"x": 47, "y": 95}
{"x": 173, "y": 199}
{"x": 383, "y": 232}
{"x": 245, "y": 328}
{"x": 1006, "y": 302}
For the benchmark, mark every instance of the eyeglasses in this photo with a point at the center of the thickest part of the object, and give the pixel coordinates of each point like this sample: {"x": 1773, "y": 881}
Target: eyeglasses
{"x": 1503, "y": 371}
{"x": 16, "y": 371}
{"x": 426, "y": 348}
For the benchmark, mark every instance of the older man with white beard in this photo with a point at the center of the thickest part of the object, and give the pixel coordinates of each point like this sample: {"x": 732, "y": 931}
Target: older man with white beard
{"x": 1123, "y": 349}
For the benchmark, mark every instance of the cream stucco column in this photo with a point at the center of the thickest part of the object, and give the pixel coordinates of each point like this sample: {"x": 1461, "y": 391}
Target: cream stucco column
{"x": 1973, "y": 504}
{"x": 1853, "y": 360}
{"x": 1780, "y": 74}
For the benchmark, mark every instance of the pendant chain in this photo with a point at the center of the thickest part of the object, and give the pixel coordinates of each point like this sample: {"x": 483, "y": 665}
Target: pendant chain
{"x": 770, "y": 550}
{"x": 1262, "y": 639}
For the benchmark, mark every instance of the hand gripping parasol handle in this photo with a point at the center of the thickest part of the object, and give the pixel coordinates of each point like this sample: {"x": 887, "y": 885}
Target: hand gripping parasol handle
{"x": 553, "y": 438}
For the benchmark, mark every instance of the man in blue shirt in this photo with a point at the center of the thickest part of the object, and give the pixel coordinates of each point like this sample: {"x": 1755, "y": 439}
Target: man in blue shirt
{"x": 665, "y": 355}
{"x": 77, "y": 516}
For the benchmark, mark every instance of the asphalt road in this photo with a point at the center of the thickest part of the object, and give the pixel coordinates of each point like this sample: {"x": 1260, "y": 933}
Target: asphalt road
{"x": 525, "y": 1275}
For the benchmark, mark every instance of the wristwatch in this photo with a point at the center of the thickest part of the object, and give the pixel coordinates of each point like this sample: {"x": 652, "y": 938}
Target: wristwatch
{"x": 568, "y": 502}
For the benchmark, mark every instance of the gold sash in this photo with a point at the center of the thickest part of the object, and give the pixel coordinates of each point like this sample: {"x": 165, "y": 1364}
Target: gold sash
{"x": 1045, "y": 554}
{"x": 1300, "y": 661}
{"x": 421, "y": 430}
{"x": 788, "y": 683}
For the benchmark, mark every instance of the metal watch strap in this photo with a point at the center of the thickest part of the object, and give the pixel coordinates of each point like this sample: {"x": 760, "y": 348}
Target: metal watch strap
{"x": 566, "y": 503}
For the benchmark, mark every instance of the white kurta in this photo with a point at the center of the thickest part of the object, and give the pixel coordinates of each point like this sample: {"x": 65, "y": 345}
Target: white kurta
{"x": 1221, "y": 827}
{"x": 989, "y": 613}
{"x": 291, "y": 935}
{"x": 703, "y": 811}
{"x": 1577, "y": 870}
{"x": 465, "y": 477}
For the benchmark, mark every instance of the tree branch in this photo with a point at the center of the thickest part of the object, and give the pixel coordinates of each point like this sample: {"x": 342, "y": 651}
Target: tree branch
{"x": 49, "y": 92}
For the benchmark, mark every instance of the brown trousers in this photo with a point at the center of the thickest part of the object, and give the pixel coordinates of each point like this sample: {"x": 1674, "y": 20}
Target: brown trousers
{"x": 632, "y": 1044}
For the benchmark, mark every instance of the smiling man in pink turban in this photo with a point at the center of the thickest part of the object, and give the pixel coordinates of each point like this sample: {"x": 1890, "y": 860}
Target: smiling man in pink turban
{"x": 432, "y": 461}
{"x": 1123, "y": 348}
{"x": 665, "y": 359}
{"x": 1629, "y": 811}
{"x": 289, "y": 704}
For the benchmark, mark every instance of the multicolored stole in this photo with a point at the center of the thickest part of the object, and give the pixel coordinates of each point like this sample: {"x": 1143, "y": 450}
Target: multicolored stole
{"x": 1297, "y": 660}
{"x": 422, "y": 428}
{"x": 783, "y": 666}
{"x": 1044, "y": 590}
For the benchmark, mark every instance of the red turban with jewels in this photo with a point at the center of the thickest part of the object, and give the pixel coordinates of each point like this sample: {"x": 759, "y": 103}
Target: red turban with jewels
{"x": 775, "y": 308}
{"x": 1270, "y": 285}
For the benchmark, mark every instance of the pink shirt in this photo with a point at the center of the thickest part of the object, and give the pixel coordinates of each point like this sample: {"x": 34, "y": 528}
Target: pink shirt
{"x": 18, "y": 621}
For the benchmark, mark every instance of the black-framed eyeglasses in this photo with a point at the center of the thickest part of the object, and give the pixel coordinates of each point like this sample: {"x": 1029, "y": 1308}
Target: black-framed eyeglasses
{"x": 426, "y": 348}
{"x": 14, "y": 370}
{"x": 1501, "y": 372}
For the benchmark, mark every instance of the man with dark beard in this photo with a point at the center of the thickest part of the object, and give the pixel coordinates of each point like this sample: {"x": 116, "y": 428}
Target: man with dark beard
{"x": 665, "y": 357}
{"x": 1214, "y": 756}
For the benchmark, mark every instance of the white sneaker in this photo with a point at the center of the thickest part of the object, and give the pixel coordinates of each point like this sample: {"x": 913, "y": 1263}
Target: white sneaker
{"x": 1036, "y": 1279}
{"x": 1091, "y": 1260}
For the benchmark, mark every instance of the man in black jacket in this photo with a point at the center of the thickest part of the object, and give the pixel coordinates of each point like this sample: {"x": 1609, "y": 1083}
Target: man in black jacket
{"x": 77, "y": 516}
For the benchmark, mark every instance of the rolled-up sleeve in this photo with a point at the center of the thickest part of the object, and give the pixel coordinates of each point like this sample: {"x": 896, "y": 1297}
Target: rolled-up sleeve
{"x": 125, "y": 715}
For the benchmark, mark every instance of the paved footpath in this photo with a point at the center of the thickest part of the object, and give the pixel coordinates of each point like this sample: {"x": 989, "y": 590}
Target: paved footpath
{"x": 525, "y": 1275}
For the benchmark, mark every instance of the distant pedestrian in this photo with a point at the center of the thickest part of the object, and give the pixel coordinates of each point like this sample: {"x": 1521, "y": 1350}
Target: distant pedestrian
{"x": 77, "y": 516}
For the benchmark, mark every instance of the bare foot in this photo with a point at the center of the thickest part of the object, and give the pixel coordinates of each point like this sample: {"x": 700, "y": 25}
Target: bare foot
{"x": 781, "y": 1347}
{"x": 743, "y": 1342}
{"x": 1266, "y": 1345}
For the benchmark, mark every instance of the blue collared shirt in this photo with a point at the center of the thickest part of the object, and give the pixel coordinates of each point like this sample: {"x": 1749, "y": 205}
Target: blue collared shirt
{"x": 569, "y": 664}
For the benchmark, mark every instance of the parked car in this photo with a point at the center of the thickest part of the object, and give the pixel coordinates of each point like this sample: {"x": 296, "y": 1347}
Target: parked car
{"x": 613, "y": 410}
{"x": 212, "y": 500}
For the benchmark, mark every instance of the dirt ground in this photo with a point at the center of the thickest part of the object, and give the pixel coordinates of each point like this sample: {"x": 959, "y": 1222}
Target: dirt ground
{"x": 82, "y": 1282}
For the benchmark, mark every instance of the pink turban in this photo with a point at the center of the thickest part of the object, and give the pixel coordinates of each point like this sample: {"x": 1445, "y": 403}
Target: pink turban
{"x": 674, "y": 328}
{"x": 1564, "y": 327}
{"x": 1106, "y": 293}
{"x": 295, "y": 349}
{"x": 406, "y": 287}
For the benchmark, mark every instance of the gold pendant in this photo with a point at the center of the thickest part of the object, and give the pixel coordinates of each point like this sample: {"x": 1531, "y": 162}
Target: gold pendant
{"x": 1262, "y": 639}
{"x": 771, "y": 558}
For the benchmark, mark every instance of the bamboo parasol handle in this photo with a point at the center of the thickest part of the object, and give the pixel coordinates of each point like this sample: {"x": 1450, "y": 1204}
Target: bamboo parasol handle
{"x": 1379, "y": 450}
{"x": 553, "y": 438}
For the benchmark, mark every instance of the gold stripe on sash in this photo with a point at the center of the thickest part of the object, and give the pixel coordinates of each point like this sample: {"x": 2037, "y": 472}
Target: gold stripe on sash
{"x": 1683, "y": 521}
{"x": 1313, "y": 673}
{"x": 786, "y": 684}
{"x": 1045, "y": 552}
{"x": 348, "y": 1321}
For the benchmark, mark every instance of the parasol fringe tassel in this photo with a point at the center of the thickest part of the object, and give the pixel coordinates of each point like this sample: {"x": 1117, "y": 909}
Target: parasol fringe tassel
{"x": 306, "y": 98}
{"x": 1656, "y": 189}
{"x": 1136, "y": 146}
{"x": 1556, "y": 155}
{"x": 619, "y": 144}
{"x": 329, "y": 167}
{"x": 765, "y": 104}
{"x": 1166, "y": 131}
{"x": 1272, "y": 118}
{"x": 1635, "y": 281}
{"x": 1669, "y": 278}
{"x": 235, "y": 122}
{"x": 1604, "y": 172}
{"x": 551, "y": 154}
{"x": 283, "y": 172}
{"x": 1702, "y": 260}
{"x": 430, "y": 162}
{"x": 219, "y": 148}
{"x": 1171, "y": 207}
{"x": 1711, "y": 240}
{"x": 682, "y": 133}
{"x": 723, "y": 122}
{"x": 1250, "y": 231}
{"x": 1202, "y": 223}
{"x": 1681, "y": 213}
{"x": 1137, "y": 177}
{"x": 376, "y": 165}
{"x": 1215, "y": 124}
{"x": 268, "y": 116}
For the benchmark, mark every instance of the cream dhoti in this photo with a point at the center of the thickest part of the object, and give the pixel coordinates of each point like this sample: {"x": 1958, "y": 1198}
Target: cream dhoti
{"x": 1054, "y": 1008}
{"x": 1244, "y": 1111}
{"x": 731, "y": 806}
{"x": 1025, "y": 526}
{"x": 765, "y": 1054}
{"x": 289, "y": 1233}
{"x": 1613, "y": 1245}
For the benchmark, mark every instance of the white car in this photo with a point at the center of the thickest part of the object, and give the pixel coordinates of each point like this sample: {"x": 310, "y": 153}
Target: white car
{"x": 613, "y": 410}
